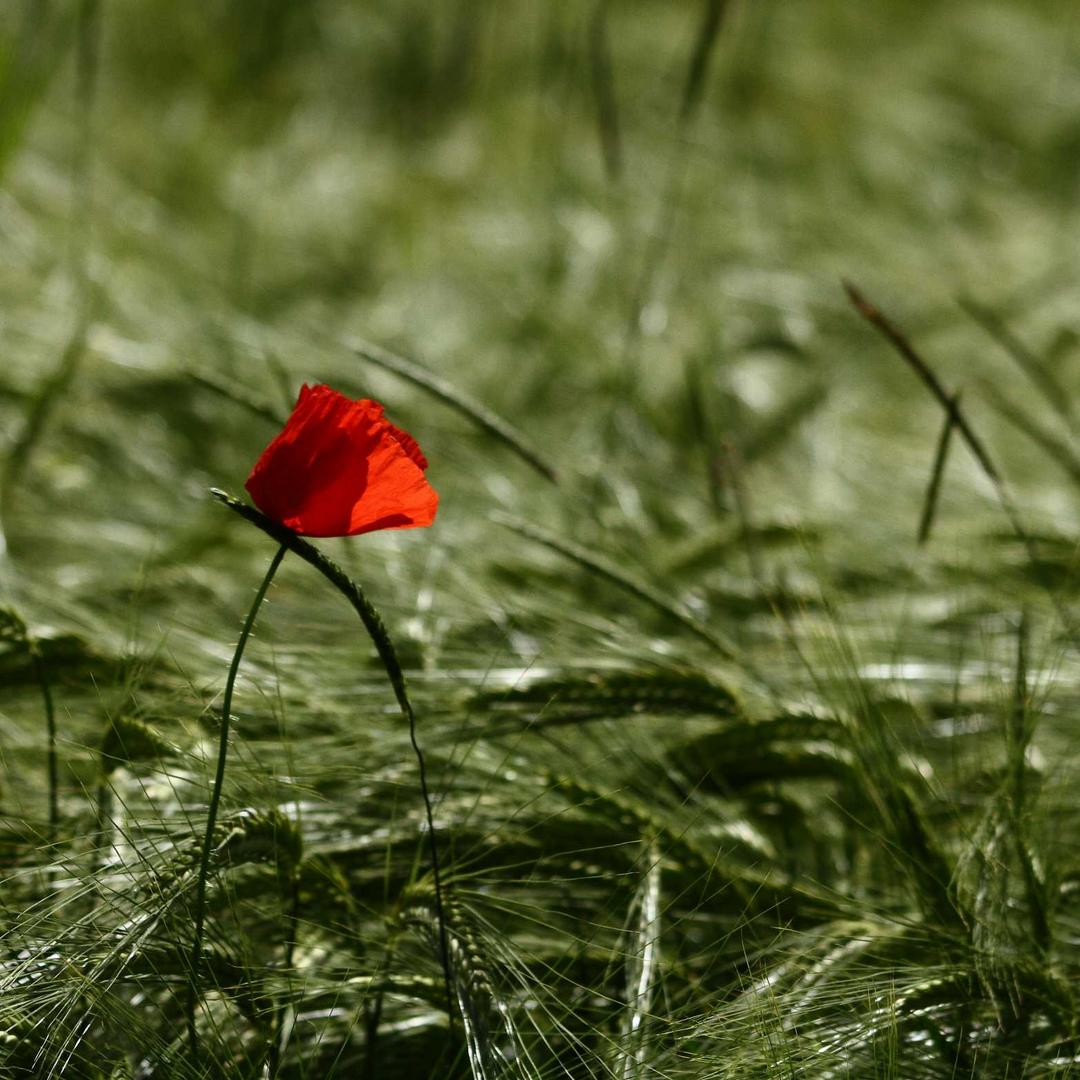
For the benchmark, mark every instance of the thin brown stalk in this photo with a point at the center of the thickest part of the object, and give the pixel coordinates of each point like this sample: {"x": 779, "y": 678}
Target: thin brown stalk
{"x": 899, "y": 341}
{"x": 933, "y": 489}
{"x": 949, "y": 403}
{"x": 952, "y": 408}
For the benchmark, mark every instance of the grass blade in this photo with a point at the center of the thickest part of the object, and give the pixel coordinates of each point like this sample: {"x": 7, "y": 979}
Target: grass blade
{"x": 659, "y": 239}
{"x": 13, "y": 629}
{"x": 238, "y": 395}
{"x": 450, "y": 395}
{"x": 782, "y": 424}
{"x": 1025, "y": 359}
{"x": 900, "y": 343}
{"x": 603, "y": 87}
{"x": 605, "y": 569}
{"x": 694, "y": 88}
{"x": 704, "y": 432}
{"x": 926, "y": 521}
{"x": 641, "y": 968}
{"x": 42, "y": 405}
{"x": 1056, "y": 448}
{"x": 388, "y": 655}
{"x": 1019, "y": 731}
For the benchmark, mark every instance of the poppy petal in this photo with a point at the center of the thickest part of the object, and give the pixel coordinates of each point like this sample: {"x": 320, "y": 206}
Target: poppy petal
{"x": 409, "y": 445}
{"x": 339, "y": 468}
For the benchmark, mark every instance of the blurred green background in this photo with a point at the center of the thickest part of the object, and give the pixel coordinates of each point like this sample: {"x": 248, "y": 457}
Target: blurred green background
{"x": 238, "y": 186}
{"x": 622, "y": 226}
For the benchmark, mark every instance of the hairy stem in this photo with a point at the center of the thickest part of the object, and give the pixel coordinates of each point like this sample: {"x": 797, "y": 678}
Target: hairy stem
{"x": 215, "y": 800}
{"x": 388, "y": 655}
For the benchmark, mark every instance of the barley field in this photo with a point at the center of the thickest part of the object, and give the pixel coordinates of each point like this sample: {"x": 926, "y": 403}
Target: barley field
{"x": 723, "y": 723}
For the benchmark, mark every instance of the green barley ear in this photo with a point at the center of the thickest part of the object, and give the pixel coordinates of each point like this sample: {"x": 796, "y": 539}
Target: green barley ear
{"x": 258, "y": 836}
{"x": 617, "y": 692}
{"x": 326, "y": 889}
{"x": 791, "y": 746}
{"x": 491, "y": 1035}
{"x": 129, "y": 740}
{"x": 13, "y": 1026}
{"x": 625, "y": 815}
{"x": 616, "y": 575}
{"x": 121, "y": 1071}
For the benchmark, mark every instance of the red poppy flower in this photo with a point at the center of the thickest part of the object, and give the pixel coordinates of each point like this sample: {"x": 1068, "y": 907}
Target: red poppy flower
{"x": 340, "y": 468}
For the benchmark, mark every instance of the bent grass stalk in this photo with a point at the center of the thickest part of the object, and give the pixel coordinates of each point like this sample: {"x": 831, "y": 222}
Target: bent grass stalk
{"x": 238, "y": 394}
{"x": 1038, "y": 372}
{"x": 377, "y": 631}
{"x": 937, "y": 471}
{"x": 608, "y": 570}
{"x": 1062, "y": 451}
{"x": 215, "y": 800}
{"x": 465, "y": 404}
{"x": 951, "y": 404}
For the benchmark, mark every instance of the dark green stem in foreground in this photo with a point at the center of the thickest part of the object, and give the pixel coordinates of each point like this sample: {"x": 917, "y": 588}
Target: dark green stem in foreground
{"x": 50, "y": 726}
{"x": 373, "y": 1018}
{"x": 215, "y": 800}
{"x": 385, "y": 647}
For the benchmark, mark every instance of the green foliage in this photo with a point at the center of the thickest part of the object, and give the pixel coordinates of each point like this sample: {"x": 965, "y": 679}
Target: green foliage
{"x": 731, "y": 778}
{"x": 129, "y": 740}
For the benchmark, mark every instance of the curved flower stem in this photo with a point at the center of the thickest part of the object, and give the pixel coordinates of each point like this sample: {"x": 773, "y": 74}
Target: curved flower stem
{"x": 385, "y": 647}
{"x": 215, "y": 799}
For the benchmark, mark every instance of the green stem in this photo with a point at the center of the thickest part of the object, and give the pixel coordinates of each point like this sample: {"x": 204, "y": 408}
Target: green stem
{"x": 215, "y": 799}
{"x": 385, "y": 647}
{"x": 373, "y": 1015}
{"x": 433, "y": 847}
